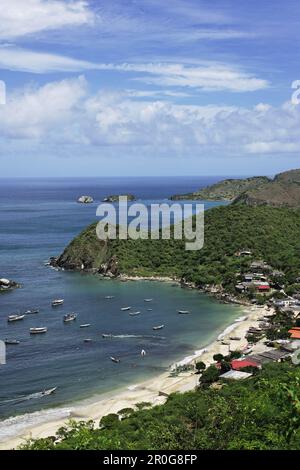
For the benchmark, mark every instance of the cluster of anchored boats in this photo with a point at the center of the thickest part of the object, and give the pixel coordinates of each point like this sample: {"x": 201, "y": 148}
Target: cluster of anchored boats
{"x": 70, "y": 317}
{"x": 37, "y": 331}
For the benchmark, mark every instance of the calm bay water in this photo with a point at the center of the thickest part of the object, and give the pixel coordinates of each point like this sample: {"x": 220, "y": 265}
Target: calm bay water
{"x": 38, "y": 218}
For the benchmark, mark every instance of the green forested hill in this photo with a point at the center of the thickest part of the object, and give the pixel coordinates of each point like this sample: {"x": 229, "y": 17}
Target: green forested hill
{"x": 270, "y": 233}
{"x": 282, "y": 191}
{"x": 225, "y": 190}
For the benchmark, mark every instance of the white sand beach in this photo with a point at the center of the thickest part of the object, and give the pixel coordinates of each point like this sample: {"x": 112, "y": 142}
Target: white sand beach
{"x": 149, "y": 391}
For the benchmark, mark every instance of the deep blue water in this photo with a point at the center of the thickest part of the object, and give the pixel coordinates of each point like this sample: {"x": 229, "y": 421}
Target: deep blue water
{"x": 38, "y": 217}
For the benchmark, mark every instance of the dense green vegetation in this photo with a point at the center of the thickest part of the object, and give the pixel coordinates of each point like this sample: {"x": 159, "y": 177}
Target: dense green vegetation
{"x": 262, "y": 412}
{"x": 270, "y": 233}
{"x": 225, "y": 190}
{"x": 282, "y": 191}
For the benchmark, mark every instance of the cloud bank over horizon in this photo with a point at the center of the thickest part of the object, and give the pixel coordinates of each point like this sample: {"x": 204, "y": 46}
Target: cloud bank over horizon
{"x": 178, "y": 80}
{"x": 67, "y": 112}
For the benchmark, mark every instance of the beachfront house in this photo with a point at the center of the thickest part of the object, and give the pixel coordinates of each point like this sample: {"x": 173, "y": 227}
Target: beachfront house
{"x": 273, "y": 355}
{"x": 238, "y": 364}
{"x": 260, "y": 266}
{"x": 295, "y": 332}
{"x": 241, "y": 253}
{"x": 235, "y": 375}
{"x": 248, "y": 277}
{"x": 265, "y": 287}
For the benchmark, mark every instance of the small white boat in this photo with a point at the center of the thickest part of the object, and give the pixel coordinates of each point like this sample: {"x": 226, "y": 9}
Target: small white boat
{"x": 143, "y": 352}
{"x": 85, "y": 325}
{"x": 115, "y": 359}
{"x": 124, "y": 309}
{"x": 105, "y": 335}
{"x": 183, "y": 312}
{"x": 12, "y": 318}
{"x": 148, "y": 300}
{"x": 69, "y": 317}
{"x": 87, "y": 340}
{"x": 38, "y": 331}
{"x": 11, "y": 342}
{"x": 32, "y": 311}
{"x": 49, "y": 392}
{"x": 149, "y": 309}
{"x": 134, "y": 313}
{"x": 57, "y": 302}
{"x": 108, "y": 297}
{"x": 159, "y": 327}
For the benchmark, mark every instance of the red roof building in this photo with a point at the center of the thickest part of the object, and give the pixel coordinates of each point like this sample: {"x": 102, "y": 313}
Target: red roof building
{"x": 295, "y": 333}
{"x": 263, "y": 288}
{"x": 240, "y": 364}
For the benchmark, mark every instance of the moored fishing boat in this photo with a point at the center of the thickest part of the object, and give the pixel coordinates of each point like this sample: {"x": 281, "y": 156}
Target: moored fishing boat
{"x": 159, "y": 327}
{"x": 108, "y": 297}
{"x": 38, "y": 331}
{"x": 48, "y": 392}
{"x": 124, "y": 309}
{"x": 148, "y": 300}
{"x": 104, "y": 335}
{"x": 134, "y": 313}
{"x": 85, "y": 325}
{"x": 115, "y": 359}
{"x": 12, "y": 318}
{"x": 69, "y": 317}
{"x": 183, "y": 312}
{"x": 57, "y": 302}
{"x": 11, "y": 342}
{"x": 32, "y": 311}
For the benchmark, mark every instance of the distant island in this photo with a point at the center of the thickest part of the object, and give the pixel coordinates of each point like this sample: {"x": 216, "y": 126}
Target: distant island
{"x": 85, "y": 199}
{"x": 115, "y": 197}
{"x": 282, "y": 191}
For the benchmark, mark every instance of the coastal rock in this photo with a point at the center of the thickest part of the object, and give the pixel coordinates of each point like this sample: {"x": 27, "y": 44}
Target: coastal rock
{"x": 85, "y": 199}
{"x": 85, "y": 253}
{"x": 110, "y": 269}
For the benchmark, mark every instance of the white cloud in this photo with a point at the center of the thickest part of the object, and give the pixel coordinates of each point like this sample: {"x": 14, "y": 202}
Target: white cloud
{"x": 34, "y": 113}
{"x": 23, "y": 60}
{"x": 273, "y": 147}
{"x": 65, "y": 112}
{"x": 19, "y": 18}
{"x": 208, "y": 76}
{"x": 159, "y": 94}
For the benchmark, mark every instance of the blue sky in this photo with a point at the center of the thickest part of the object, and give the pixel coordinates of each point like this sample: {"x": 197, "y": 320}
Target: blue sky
{"x": 146, "y": 87}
